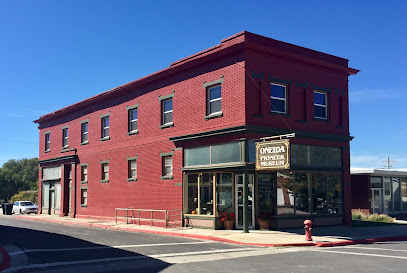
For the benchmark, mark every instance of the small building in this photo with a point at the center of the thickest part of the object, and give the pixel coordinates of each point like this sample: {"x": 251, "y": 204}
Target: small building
{"x": 379, "y": 191}
{"x": 184, "y": 138}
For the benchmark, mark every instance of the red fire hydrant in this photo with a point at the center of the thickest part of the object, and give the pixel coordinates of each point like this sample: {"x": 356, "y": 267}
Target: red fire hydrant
{"x": 308, "y": 228}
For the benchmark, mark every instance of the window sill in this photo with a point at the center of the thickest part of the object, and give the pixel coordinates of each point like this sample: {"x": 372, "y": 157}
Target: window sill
{"x": 105, "y": 138}
{"x": 214, "y": 115}
{"x": 131, "y": 179}
{"x": 322, "y": 119}
{"x": 47, "y": 151}
{"x": 85, "y": 143}
{"x": 135, "y": 132}
{"x": 65, "y": 147}
{"x": 170, "y": 124}
{"x": 167, "y": 177}
{"x": 258, "y": 115}
{"x": 104, "y": 181}
{"x": 84, "y": 206}
{"x": 64, "y": 150}
{"x": 84, "y": 182}
{"x": 280, "y": 114}
{"x": 302, "y": 121}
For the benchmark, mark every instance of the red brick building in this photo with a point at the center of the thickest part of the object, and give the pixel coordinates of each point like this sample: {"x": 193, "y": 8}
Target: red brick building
{"x": 183, "y": 138}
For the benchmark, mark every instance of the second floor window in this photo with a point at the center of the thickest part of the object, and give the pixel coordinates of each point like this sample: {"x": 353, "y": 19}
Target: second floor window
{"x": 166, "y": 109}
{"x": 214, "y": 99}
{"x": 47, "y": 142}
{"x": 278, "y": 98}
{"x": 84, "y": 173}
{"x": 320, "y": 105}
{"x": 133, "y": 120}
{"x": 84, "y": 129}
{"x": 65, "y": 137}
{"x": 105, "y": 127}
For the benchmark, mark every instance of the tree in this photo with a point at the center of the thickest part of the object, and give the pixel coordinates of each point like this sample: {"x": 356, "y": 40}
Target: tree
{"x": 18, "y": 175}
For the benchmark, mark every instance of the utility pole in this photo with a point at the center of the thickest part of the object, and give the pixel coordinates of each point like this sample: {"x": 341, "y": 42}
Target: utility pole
{"x": 388, "y": 162}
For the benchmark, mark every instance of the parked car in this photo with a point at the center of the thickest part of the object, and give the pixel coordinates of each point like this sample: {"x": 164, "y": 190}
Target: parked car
{"x": 24, "y": 207}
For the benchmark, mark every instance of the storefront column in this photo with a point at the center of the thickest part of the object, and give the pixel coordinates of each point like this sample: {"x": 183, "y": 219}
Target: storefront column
{"x": 40, "y": 190}
{"x": 62, "y": 193}
{"x": 245, "y": 200}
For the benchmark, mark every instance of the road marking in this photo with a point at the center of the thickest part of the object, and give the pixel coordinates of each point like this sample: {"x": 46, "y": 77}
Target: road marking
{"x": 101, "y": 247}
{"x": 157, "y": 256}
{"x": 363, "y": 254}
{"x": 373, "y": 248}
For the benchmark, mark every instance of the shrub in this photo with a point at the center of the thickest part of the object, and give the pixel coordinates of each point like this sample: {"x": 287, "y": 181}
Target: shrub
{"x": 25, "y": 196}
{"x": 384, "y": 218}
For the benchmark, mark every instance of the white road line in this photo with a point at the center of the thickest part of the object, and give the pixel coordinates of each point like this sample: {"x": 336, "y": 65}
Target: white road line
{"x": 157, "y": 256}
{"x": 100, "y": 247}
{"x": 362, "y": 254}
{"x": 373, "y": 248}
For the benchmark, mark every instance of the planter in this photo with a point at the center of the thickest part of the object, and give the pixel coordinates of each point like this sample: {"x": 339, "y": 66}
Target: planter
{"x": 229, "y": 224}
{"x": 264, "y": 224}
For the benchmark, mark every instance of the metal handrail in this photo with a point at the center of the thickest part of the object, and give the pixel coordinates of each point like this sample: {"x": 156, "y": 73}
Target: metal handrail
{"x": 167, "y": 213}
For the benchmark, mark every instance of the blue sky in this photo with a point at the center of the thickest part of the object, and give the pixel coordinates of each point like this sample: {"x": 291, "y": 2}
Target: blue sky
{"x": 55, "y": 53}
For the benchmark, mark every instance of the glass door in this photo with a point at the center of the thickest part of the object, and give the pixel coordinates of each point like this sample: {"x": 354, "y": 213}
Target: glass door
{"x": 239, "y": 200}
{"x": 377, "y": 201}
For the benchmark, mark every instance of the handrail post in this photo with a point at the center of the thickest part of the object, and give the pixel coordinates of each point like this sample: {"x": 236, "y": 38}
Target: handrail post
{"x": 151, "y": 218}
{"x": 138, "y": 216}
{"x": 166, "y": 218}
{"x": 115, "y": 215}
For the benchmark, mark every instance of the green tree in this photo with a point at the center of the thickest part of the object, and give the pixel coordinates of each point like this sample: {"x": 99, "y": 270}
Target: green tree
{"x": 18, "y": 175}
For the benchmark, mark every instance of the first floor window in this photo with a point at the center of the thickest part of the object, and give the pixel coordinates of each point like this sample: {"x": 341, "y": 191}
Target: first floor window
{"x": 278, "y": 98}
{"x": 214, "y": 99}
{"x": 105, "y": 171}
{"x": 320, "y": 105}
{"x": 132, "y": 169}
{"x": 84, "y": 197}
{"x": 167, "y": 165}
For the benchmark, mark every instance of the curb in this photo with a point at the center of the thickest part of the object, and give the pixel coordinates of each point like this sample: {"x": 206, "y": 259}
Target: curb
{"x": 217, "y": 239}
{"x": 5, "y": 263}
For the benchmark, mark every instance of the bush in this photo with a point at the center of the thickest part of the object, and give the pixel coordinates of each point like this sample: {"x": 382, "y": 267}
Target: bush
{"x": 359, "y": 216}
{"x": 25, "y": 196}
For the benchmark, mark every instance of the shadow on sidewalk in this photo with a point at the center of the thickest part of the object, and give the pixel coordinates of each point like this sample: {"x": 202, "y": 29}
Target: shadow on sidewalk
{"x": 49, "y": 247}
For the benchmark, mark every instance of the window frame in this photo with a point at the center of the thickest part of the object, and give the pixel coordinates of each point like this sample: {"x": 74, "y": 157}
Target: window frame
{"x": 104, "y": 178}
{"x": 277, "y": 98}
{"x": 47, "y": 142}
{"x": 130, "y": 110}
{"x": 163, "y": 112}
{"x": 321, "y": 105}
{"x": 65, "y": 137}
{"x": 164, "y": 174}
{"x": 83, "y": 174}
{"x": 83, "y": 133}
{"x": 129, "y": 169}
{"x": 84, "y": 199}
{"x": 209, "y": 101}
{"x": 103, "y": 118}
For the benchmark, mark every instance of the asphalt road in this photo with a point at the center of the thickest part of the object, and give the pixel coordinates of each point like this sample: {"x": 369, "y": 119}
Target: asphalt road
{"x": 49, "y": 247}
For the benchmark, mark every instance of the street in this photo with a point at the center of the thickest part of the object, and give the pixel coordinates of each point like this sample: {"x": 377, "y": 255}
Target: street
{"x": 49, "y": 247}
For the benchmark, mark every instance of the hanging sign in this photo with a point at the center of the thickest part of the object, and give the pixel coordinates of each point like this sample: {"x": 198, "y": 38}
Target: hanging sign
{"x": 273, "y": 155}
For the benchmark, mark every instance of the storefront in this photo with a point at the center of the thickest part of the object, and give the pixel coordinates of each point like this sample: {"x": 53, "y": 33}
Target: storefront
{"x": 379, "y": 191}
{"x": 308, "y": 185}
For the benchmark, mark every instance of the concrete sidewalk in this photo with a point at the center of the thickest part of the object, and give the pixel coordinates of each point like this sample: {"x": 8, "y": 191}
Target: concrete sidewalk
{"x": 322, "y": 236}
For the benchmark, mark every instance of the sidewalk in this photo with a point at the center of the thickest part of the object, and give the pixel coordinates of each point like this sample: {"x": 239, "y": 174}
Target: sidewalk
{"x": 322, "y": 236}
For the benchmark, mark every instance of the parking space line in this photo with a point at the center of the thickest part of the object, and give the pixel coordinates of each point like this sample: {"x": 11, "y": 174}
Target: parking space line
{"x": 362, "y": 254}
{"x": 102, "y": 247}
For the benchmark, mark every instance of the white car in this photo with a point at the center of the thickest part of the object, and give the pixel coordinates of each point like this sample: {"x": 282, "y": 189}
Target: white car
{"x": 24, "y": 207}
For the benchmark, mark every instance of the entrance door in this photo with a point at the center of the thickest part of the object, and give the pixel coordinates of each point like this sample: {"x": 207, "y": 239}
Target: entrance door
{"x": 377, "y": 201}
{"x": 239, "y": 200}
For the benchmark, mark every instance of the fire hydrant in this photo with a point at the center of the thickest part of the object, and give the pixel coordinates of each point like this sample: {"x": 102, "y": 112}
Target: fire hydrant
{"x": 308, "y": 228}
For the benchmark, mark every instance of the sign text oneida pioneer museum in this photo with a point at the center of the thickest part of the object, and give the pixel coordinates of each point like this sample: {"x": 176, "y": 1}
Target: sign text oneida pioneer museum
{"x": 273, "y": 155}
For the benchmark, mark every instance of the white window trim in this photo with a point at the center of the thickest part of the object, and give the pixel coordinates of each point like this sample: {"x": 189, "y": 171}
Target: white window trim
{"x": 105, "y": 127}
{"x": 276, "y": 98}
{"x": 131, "y": 120}
{"x": 84, "y": 133}
{"x": 65, "y": 138}
{"x": 166, "y": 112}
{"x": 209, "y": 100}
